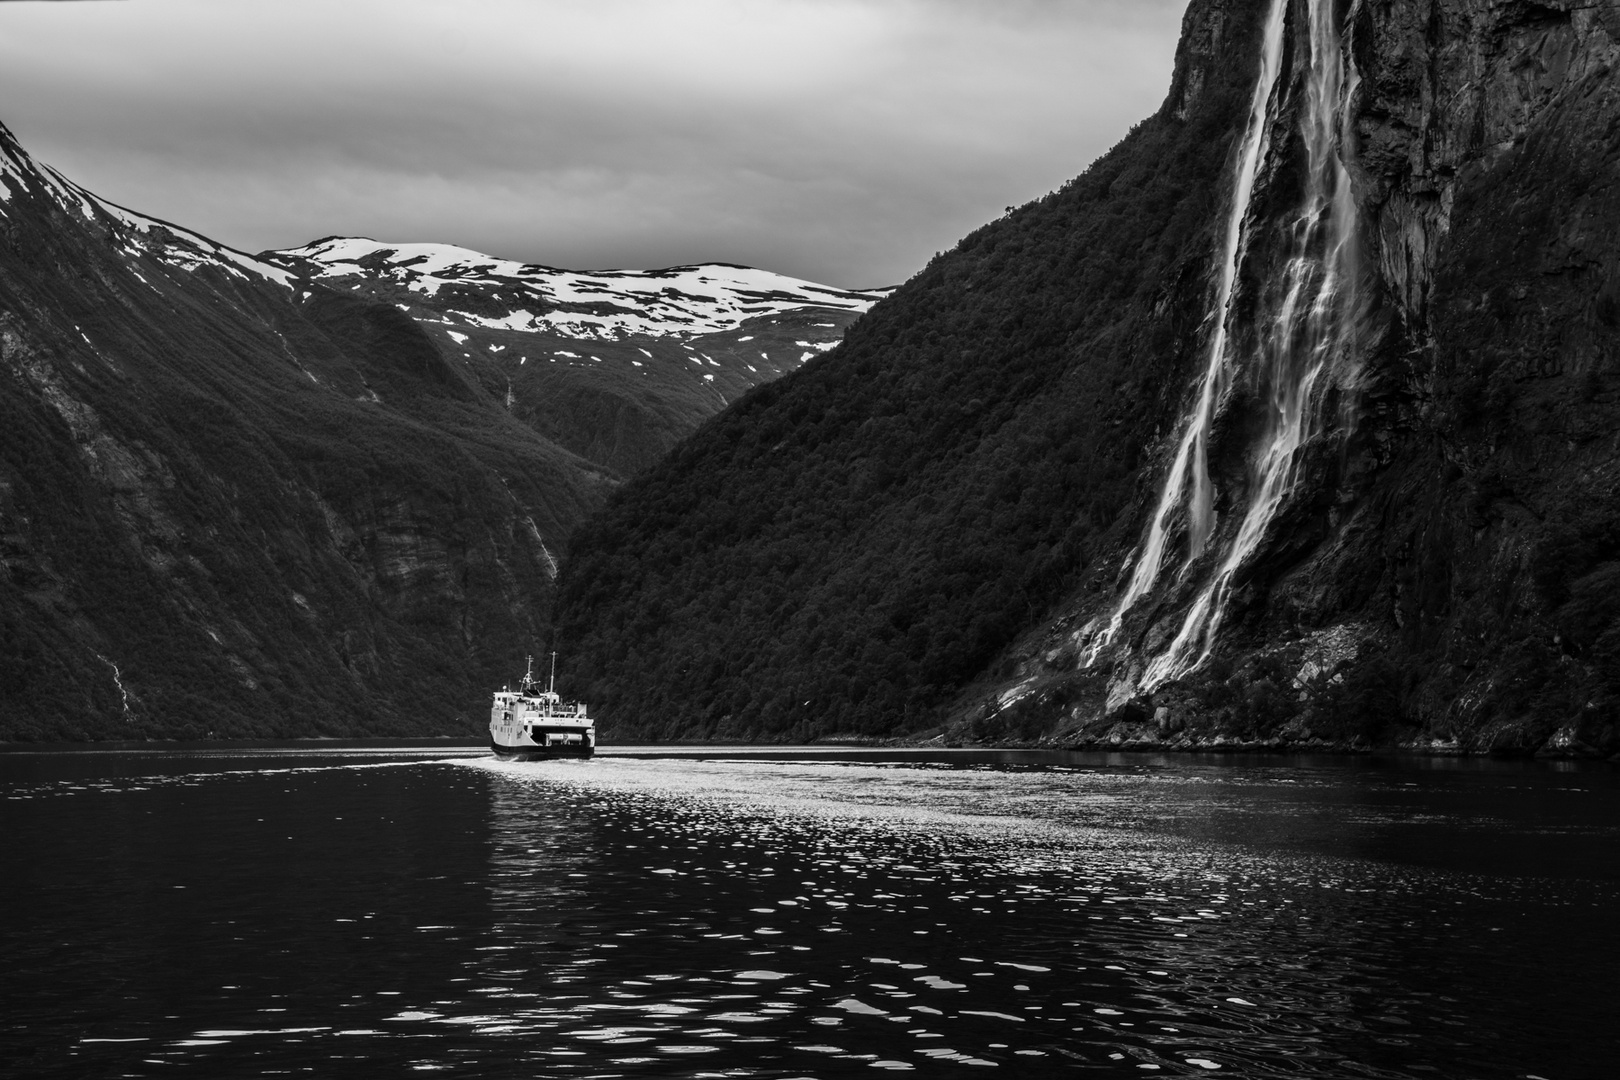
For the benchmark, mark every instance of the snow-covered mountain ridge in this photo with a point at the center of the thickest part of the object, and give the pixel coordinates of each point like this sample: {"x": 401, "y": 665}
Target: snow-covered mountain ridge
{"x": 615, "y": 365}
{"x": 602, "y": 305}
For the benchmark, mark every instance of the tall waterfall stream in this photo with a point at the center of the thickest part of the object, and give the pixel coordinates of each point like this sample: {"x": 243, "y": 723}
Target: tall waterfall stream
{"x": 1302, "y": 341}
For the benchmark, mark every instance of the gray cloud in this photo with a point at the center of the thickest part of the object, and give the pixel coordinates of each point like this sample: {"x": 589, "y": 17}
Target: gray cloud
{"x": 840, "y": 140}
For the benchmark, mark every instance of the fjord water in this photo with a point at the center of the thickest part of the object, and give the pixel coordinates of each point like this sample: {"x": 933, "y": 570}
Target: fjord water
{"x": 366, "y": 912}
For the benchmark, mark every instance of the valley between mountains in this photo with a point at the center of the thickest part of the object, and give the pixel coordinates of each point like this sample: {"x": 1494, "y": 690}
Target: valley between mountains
{"x": 1294, "y": 421}
{"x": 321, "y": 491}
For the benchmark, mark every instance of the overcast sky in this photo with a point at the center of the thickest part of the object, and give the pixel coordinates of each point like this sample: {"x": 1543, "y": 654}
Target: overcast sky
{"x": 843, "y": 141}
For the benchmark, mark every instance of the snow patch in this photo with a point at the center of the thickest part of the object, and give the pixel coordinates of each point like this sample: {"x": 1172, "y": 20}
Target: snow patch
{"x": 603, "y": 305}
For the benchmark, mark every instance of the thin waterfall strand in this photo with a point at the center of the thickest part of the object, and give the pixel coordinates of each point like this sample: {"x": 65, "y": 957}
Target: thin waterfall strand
{"x": 1192, "y": 451}
{"x": 1307, "y": 337}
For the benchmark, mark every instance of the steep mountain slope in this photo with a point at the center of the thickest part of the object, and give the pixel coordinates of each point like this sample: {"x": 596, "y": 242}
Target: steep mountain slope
{"x": 1290, "y": 420}
{"x": 1438, "y": 572}
{"x": 842, "y": 550}
{"x": 236, "y": 500}
{"x": 237, "y": 504}
{"x": 615, "y": 365}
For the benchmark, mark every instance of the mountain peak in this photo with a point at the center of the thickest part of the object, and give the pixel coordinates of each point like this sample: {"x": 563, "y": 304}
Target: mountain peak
{"x": 136, "y": 234}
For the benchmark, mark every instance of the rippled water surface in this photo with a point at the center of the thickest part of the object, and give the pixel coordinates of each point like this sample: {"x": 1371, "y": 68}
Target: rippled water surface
{"x": 784, "y": 915}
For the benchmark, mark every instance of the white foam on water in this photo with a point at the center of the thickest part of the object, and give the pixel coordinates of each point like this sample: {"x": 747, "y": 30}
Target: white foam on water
{"x": 812, "y": 789}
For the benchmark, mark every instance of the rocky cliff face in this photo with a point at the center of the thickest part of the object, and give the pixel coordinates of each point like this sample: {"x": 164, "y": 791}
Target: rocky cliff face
{"x": 1497, "y": 201}
{"x": 1448, "y": 581}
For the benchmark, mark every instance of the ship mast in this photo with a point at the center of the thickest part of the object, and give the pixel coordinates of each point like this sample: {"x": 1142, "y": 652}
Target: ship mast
{"x": 551, "y": 687}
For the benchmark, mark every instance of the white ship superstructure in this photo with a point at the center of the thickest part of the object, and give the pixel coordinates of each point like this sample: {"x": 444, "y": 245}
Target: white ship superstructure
{"x": 531, "y": 722}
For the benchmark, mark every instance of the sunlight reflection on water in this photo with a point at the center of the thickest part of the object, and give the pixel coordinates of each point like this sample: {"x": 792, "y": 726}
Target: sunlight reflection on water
{"x": 1134, "y": 947}
{"x": 778, "y": 918}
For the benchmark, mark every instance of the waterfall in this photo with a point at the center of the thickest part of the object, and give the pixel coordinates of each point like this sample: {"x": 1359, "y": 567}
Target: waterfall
{"x": 1303, "y": 335}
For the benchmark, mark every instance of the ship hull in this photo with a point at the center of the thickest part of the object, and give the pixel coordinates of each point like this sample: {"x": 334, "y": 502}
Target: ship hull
{"x": 528, "y": 751}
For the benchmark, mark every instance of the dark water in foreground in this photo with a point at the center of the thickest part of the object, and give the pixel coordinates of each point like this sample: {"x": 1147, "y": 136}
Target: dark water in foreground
{"x": 382, "y": 912}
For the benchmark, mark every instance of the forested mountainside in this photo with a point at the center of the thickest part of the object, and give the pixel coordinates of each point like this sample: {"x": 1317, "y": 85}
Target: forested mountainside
{"x": 1291, "y": 421}
{"x": 252, "y": 496}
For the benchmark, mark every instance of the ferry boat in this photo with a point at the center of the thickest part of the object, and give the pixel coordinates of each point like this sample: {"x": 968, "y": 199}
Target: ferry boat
{"x": 530, "y": 722}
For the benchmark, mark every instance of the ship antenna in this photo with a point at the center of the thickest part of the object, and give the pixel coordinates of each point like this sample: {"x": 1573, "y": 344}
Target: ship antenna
{"x": 551, "y": 688}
